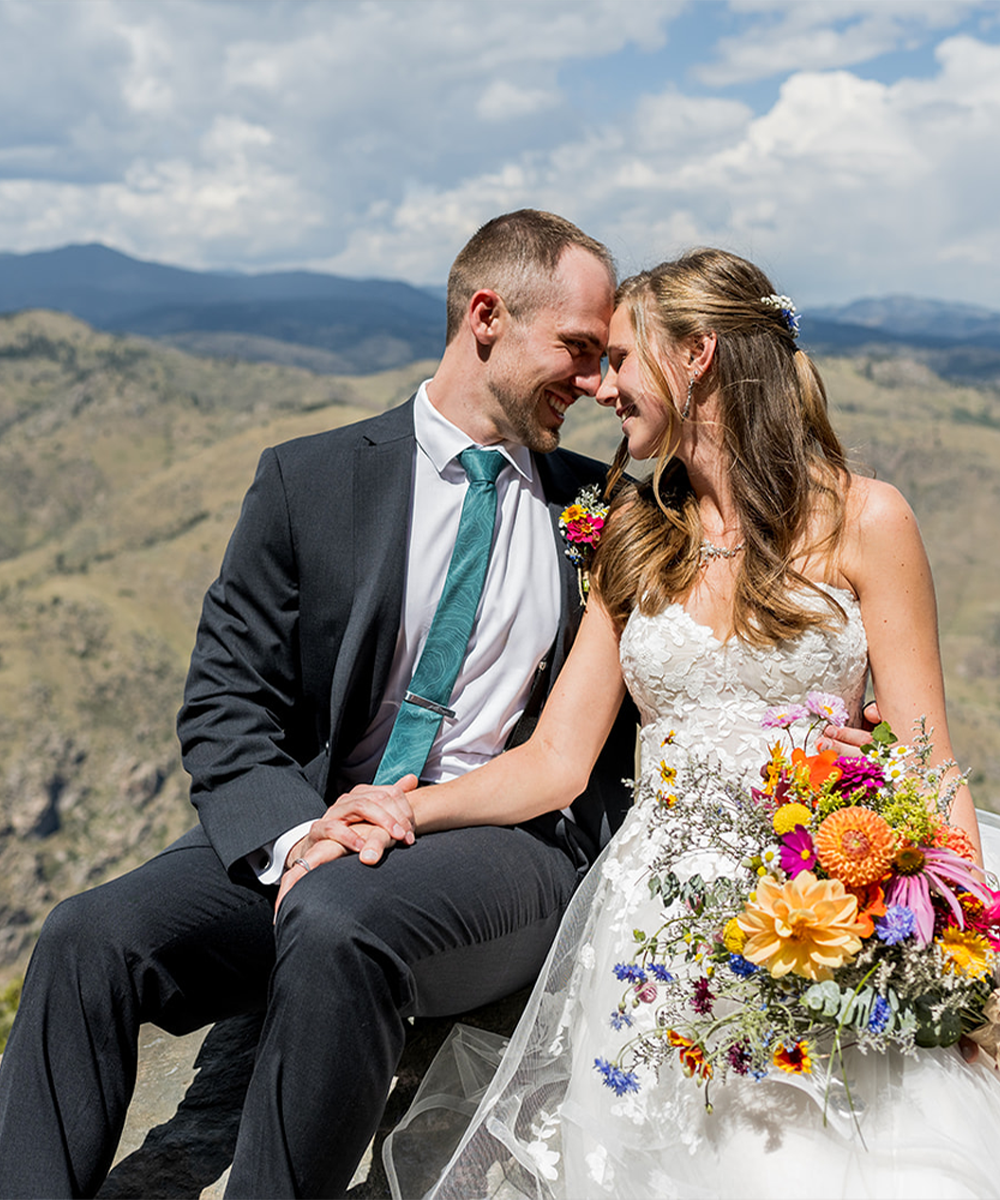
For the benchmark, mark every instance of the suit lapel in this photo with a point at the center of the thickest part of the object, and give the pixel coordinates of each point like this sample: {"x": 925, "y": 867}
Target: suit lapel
{"x": 382, "y": 483}
{"x": 558, "y": 486}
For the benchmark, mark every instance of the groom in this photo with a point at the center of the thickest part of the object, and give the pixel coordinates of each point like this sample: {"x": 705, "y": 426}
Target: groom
{"x": 307, "y": 647}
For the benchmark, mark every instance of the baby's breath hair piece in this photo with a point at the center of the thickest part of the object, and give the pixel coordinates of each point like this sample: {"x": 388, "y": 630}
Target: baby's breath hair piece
{"x": 786, "y": 307}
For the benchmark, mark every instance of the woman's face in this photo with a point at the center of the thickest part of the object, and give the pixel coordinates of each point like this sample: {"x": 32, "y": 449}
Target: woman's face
{"x": 645, "y": 415}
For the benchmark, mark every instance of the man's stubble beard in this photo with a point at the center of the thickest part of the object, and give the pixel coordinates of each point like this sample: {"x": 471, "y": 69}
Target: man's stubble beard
{"x": 521, "y": 413}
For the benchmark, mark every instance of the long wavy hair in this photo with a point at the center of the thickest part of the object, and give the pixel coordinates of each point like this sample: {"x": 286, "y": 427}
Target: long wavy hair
{"x": 788, "y": 471}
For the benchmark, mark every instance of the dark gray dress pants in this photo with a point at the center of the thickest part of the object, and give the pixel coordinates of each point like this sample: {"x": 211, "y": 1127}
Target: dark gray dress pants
{"x": 452, "y": 922}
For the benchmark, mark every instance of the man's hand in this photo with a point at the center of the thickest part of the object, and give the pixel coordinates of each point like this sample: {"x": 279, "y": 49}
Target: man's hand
{"x": 848, "y": 741}
{"x": 366, "y": 821}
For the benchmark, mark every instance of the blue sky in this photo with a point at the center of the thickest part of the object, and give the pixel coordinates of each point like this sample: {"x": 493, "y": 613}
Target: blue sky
{"x": 851, "y": 148}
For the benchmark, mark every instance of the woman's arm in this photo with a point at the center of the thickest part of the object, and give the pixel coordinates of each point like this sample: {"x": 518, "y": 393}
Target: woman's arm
{"x": 543, "y": 774}
{"x": 885, "y": 562}
{"x": 552, "y": 768}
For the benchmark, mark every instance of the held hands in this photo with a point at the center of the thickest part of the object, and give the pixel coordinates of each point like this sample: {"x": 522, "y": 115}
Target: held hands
{"x": 366, "y": 821}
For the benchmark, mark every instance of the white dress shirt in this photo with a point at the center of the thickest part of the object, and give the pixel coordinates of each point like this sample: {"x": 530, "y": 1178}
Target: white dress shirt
{"x": 515, "y": 625}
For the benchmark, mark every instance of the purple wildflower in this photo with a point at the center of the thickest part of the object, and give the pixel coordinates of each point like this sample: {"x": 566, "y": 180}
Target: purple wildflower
{"x": 739, "y": 1058}
{"x": 857, "y": 774}
{"x": 828, "y": 706}
{"x": 797, "y": 853}
{"x": 660, "y": 972}
{"x": 615, "y": 1078}
{"x": 880, "y": 1014}
{"x": 781, "y": 716}
{"x": 629, "y": 973}
{"x": 620, "y": 1019}
{"x": 897, "y": 925}
{"x": 702, "y": 999}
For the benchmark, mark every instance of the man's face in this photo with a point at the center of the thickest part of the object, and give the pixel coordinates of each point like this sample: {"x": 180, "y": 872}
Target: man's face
{"x": 551, "y": 356}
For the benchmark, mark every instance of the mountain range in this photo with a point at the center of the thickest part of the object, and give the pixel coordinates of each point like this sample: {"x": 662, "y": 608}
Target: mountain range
{"x": 325, "y": 323}
{"x": 335, "y": 325}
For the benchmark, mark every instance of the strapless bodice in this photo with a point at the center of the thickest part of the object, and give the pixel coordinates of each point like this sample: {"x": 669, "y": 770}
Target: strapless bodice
{"x": 712, "y": 694}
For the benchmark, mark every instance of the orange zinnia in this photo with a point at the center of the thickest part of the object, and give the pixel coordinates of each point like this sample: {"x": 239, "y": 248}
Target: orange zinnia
{"x": 855, "y": 845}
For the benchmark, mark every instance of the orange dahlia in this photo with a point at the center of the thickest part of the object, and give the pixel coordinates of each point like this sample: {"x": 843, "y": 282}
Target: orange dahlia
{"x": 856, "y": 845}
{"x": 806, "y": 926}
{"x": 955, "y": 839}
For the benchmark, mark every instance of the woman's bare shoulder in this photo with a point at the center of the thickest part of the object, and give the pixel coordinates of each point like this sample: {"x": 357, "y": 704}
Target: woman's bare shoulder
{"x": 877, "y": 509}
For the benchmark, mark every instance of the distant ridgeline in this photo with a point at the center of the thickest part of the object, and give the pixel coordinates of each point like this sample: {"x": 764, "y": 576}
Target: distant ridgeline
{"x": 325, "y": 323}
{"x": 335, "y": 325}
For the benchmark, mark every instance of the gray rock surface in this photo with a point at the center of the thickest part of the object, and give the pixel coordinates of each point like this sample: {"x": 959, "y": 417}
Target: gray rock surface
{"x": 181, "y": 1129}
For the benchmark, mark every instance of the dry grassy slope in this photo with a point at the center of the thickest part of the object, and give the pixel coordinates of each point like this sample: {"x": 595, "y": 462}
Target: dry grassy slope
{"x": 122, "y": 466}
{"x": 115, "y": 513}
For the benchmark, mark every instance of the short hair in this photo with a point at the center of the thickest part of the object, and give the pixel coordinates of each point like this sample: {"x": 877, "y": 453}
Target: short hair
{"x": 512, "y": 255}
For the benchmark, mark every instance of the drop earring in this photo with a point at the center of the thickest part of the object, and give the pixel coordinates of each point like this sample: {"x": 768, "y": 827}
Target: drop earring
{"x": 685, "y": 412}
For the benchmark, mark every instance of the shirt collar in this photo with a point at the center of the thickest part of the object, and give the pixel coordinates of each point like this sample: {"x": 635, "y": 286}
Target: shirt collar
{"x": 442, "y": 441}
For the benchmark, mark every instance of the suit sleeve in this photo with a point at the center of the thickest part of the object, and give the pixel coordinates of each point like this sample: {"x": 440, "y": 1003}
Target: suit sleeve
{"x": 236, "y": 724}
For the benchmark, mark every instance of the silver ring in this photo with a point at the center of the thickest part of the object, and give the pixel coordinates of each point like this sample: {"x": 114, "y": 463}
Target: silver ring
{"x": 301, "y": 862}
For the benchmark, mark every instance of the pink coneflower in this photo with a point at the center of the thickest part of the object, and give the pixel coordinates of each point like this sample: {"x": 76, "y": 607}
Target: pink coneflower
{"x": 918, "y": 871}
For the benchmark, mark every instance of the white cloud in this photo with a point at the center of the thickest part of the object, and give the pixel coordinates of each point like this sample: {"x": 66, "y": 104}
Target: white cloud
{"x": 503, "y": 101}
{"x": 372, "y": 138}
{"x": 821, "y": 35}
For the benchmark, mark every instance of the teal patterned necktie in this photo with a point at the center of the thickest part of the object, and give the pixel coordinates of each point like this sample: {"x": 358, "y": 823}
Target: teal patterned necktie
{"x": 425, "y": 704}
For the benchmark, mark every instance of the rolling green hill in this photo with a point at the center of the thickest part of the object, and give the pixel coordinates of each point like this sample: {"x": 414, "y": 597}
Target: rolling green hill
{"x": 122, "y": 467}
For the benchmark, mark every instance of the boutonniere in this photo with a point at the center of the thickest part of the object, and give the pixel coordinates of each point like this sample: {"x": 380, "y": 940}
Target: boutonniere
{"x": 582, "y": 524}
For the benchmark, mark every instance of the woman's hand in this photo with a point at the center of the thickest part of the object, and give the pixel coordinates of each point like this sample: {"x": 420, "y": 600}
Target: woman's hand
{"x": 847, "y": 740}
{"x": 365, "y": 821}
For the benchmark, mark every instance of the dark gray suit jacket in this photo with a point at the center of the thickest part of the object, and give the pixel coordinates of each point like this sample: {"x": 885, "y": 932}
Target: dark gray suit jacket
{"x": 297, "y": 635}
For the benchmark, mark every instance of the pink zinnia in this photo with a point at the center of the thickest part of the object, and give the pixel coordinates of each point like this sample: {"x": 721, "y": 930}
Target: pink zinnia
{"x": 920, "y": 870}
{"x": 858, "y": 773}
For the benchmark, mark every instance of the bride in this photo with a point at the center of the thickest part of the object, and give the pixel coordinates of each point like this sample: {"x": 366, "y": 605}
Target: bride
{"x": 751, "y": 570}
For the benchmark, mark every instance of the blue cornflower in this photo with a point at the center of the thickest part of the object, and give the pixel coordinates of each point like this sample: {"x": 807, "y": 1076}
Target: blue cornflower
{"x": 897, "y": 924}
{"x": 881, "y": 1012}
{"x": 629, "y": 973}
{"x": 742, "y": 966}
{"x": 660, "y": 972}
{"x": 620, "y": 1019}
{"x": 615, "y": 1078}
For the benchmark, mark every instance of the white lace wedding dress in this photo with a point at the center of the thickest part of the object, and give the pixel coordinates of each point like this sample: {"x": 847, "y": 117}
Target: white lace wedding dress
{"x": 547, "y": 1126}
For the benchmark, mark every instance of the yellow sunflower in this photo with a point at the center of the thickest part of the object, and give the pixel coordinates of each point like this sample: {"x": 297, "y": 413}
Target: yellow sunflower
{"x": 966, "y": 953}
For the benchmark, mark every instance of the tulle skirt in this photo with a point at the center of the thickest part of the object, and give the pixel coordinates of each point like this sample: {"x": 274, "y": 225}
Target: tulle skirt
{"x": 534, "y": 1119}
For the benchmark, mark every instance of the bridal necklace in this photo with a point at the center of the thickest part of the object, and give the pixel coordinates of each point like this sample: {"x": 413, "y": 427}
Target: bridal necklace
{"x": 709, "y": 550}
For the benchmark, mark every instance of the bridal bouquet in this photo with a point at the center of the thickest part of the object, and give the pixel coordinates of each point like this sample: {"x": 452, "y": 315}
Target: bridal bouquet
{"x": 850, "y": 912}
